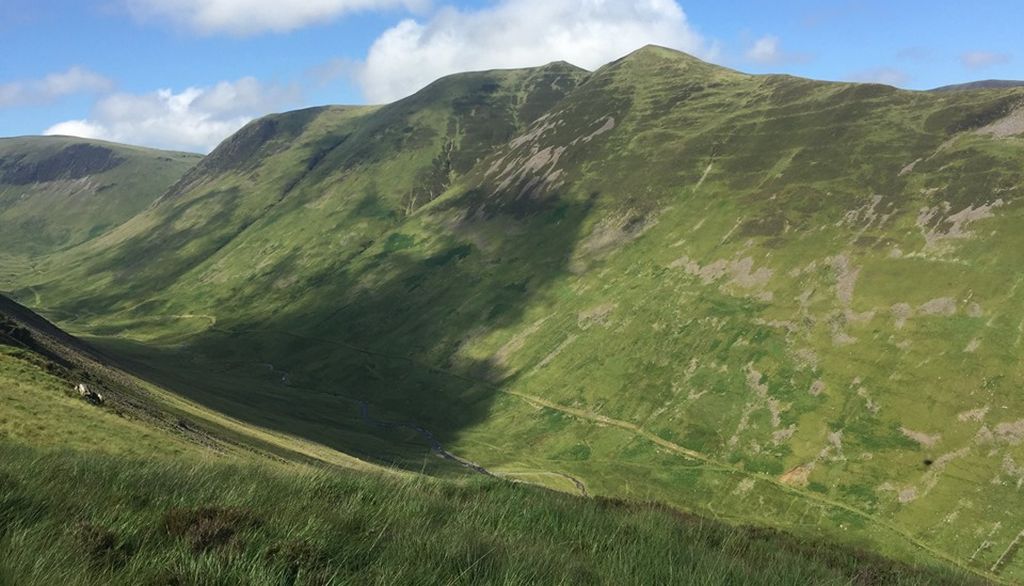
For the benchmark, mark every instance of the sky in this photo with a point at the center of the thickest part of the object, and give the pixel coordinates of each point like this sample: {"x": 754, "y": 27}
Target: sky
{"x": 185, "y": 74}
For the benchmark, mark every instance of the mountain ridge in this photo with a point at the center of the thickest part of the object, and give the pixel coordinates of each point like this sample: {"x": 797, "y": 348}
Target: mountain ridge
{"x": 762, "y": 269}
{"x": 981, "y": 85}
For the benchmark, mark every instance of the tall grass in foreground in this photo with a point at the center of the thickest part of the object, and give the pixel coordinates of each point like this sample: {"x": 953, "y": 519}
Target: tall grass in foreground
{"x": 75, "y": 518}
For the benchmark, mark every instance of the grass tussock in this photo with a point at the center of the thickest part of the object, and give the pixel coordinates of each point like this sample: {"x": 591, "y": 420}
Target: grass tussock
{"x": 75, "y": 518}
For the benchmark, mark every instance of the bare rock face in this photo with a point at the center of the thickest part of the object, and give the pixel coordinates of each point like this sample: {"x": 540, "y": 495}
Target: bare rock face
{"x": 88, "y": 394}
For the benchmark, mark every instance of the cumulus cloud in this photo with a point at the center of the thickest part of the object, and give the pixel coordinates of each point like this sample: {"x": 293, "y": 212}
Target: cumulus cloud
{"x": 194, "y": 119}
{"x": 520, "y": 33}
{"x": 883, "y": 75}
{"x": 767, "y": 50}
{"x": 983, "y": 59}
{"x": 246, "y": 17}
{"x": 76, "y": 80}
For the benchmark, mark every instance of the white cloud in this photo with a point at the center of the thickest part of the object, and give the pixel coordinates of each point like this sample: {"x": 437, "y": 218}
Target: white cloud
{"x": 765, "y": 50}
{"x": 520, "y": 33}
{"x": 195, "y": 119}
{"x": 76, "y": 80}
{"x": 983, "y": 59}
{"x": 768, "y": 51}
{"x": 246, "y": 17}
{"x": 883, "y": 75}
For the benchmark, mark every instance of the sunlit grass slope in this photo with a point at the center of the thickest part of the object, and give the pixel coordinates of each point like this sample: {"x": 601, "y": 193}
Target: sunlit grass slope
{"x": 57, "y": 191}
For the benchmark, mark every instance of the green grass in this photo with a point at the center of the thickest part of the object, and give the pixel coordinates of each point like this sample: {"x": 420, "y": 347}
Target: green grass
{"x": 78, "y": 518}
{"x": 41, "y": 409}
{"x": 93, "y": 494}
{"x": 691, "y": 275}
{"x": 57, "y": 192}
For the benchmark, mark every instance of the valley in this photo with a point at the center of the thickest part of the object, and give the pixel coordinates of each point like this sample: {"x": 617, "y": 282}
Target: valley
{"x": 775, "y": 303}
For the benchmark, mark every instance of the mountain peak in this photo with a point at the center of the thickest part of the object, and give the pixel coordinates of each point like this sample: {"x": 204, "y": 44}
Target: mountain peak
{"x": 660, "y": 52}
{"x": 655, "y": 61}
{"x": 561, "y": 66}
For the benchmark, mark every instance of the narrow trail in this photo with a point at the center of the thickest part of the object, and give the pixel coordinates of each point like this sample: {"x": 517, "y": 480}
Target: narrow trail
{"x": 640, "y": 432}
{"x": 581, "y": 488}
{"x": 694, "y": 455}
{"x": 576, "y": 481}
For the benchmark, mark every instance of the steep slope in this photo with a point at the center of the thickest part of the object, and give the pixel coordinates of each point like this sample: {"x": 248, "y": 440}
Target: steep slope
{"x": 41, "y": 370}
{"x": 100, "y": 491}
{"x": 283, "y": 189}
{"x": 58, "y": 391}
{"x": 778, "y": 300}
{"x": 56, "y": 192}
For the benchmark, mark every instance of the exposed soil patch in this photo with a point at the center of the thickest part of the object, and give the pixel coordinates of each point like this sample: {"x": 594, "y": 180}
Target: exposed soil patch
{"x": 907, "y": 495}
{"x": 939, "y": 227}
{"x": 1011, "y": 125}
{"x": 817, "y": 388}
{"x": 937, "y": 467}
{"x": 901, "y": 312}
{"x": 869, "y": 402}
{"x": 973, "y": 415}
{"x": 922, "y": 438}
{"x": 909, "y": 168}
{"x": 944, "y": 306}
{"x": 1010, "y": 433}
{"x": 595, "y": 315}
{"x": 846, "y": 278}
{"x": 744, "y": 486}
{"x": 740, "y": 272}
{"x": 608, "y": 126}
{"x": 798, "y": 476}
{"x": 614, "y": 233}
{"x": 762, "y": 400}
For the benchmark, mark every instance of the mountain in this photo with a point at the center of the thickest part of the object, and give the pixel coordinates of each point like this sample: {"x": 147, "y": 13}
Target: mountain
{"x": 772, "y": 300}
{"x": 56, "y": 191}
{"x": 986, "y": 84}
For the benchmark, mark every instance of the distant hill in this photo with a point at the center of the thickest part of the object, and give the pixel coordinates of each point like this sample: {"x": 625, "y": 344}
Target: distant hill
{"x": 763, "y": 298}
{"x": 988, "y": 84}
{"x": 56, "y": 192}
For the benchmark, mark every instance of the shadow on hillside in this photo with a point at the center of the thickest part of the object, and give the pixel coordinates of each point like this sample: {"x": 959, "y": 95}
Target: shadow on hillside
{"x": 385, "y": 330}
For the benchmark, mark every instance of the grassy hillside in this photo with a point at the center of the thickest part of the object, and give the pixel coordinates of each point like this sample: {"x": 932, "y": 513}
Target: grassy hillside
{"x": 768, "y": 299}
{"x": 65, "y": 518}
{"x": 41, "y": 368}
{"x": 56, "y": 191}
{"x": 102, "y": 493}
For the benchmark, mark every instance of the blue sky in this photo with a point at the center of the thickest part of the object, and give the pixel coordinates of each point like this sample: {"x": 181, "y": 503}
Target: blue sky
{"x": 186, "y": 73}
